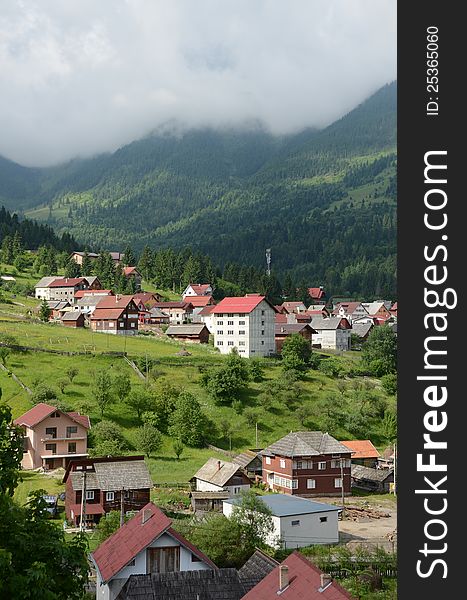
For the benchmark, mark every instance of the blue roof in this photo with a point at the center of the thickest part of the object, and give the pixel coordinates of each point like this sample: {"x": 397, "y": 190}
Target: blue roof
{"x": 284, "y": 505}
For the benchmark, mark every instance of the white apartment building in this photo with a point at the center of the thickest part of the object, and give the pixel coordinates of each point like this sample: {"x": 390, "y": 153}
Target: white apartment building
{"x": 246, "y": 323}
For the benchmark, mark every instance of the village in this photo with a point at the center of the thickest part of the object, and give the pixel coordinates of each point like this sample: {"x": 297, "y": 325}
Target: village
{"x": 304, "y": 481}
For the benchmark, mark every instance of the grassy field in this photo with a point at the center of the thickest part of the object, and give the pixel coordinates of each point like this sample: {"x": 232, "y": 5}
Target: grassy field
{"x": 32, "y": 481}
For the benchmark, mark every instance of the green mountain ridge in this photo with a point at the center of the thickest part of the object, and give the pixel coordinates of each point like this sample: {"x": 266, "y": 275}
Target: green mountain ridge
{"x": 323, "y": 201}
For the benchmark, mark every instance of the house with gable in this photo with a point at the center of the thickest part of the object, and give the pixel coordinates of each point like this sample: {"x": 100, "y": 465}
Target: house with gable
{"x": 115, "y": 314}
{"x": 132, "y": 273}
{"x": 197, "y": 289}
{"x": 307, "y": 463}
{"x": 350, "y": 310}
{"x": 52, "y": 437}
{"x": 246, "y": 323}
{"x": 332, "y": 333}
{"x": 364, "y": 453}
{"x": 221, "y": 476}
{"x": 317, "y": 295}
{"x": 145, "y": 544}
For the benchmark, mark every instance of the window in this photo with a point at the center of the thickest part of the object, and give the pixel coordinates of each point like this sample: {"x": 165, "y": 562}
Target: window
{"x": 236, "y": 490}
{"x": 335, "y": 464}
{"x": 230, "y": 332}
{"x": 52, "y": 448}
{"x": 71, "y": 430}
{"x": 221, "y": 343}
{"x": 262, "y": 323}
{"x": 52, "y": 431}
{"x": 347, "y": 463}
{"x": 230, "y": 343}
{"x": 122, "y": 324}
{"x": 298, "y": 464}
{"x": 230, "y": 314}
{"x": 241, "y": 314}
{"x": 323, "y": 519}
{"x": 132, "y": 324}
{"x": 241, "y": 322}
{"x": 282, "y": 463}
{"x": 295, "y": 523}
{"x": 194, "y": 558}
{"x": 337, "y": 482}
{"x": 220, "y": 322}
{"x": 220, "y": 332}
{"x": 241, "y": 343}
{"x": 321, "y": 466}
{"x": 262, "y": 313}
{"x": 268, "y": 460}
{"x": 230, "y": 322}
{"x": 131, "y": 563}
{"x": 72, "y": 448}
{"x": 55, "y": 415}
{"x": 311, "y": 484}
{"x": 262, "y": 331}
{"x": 294, "y": 484}
{"x": 89, "y": 494}
{"x": 109, "y": 496}
{"x": 262, "y": 342}
{"x": 241, "y": 332}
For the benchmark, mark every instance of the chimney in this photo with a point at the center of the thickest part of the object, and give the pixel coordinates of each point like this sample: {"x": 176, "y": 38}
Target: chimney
{"x": 219, "y": 465}
{"x": 283, "y": 577}
{"x": 145, "y": 515}
{"x": 325, "y": 580}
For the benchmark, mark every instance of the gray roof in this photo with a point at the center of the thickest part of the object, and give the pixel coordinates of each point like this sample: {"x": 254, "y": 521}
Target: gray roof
{"x": 361, "y": 329}
{"x": 194, "y": 329}
{"x": 256, "y": 568}
{"x": 45, "y": 281}
{"x": 290, "y": 328}
{"x": 217, "y": 471}
{"x": 221, "y": 584}
{"x": 306, "y": 443}
{"x": 319, "y": 323}
{"x": 157, "y": 312}
{"x": 285, "y": 505}
{"x": 57, "y": 304}
{"x": 71, "y": 315}
{"x": 380, "y": 475}
{"x": 245, "y": 458}
{"x": 91, "y": 300}
{"x": 90, "y": 278}
{"x": 113, "y": 476}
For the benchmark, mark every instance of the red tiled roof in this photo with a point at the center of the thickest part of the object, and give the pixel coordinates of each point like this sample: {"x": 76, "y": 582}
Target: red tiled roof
{"x": 81, "y": 293}
{"x": 172, "y": 304}
{"x": 199, "y": 288}
{"x": 243, "y": 304}
{"x": 316, "y": 293}
{"x": 291, "y": 306}
{"x": 207, "y": 310}
{"x": 304, "y": 583}
{"x": 91, "y": 509}
{"x": 115, "y": 301}
{"x": 362, "y": 448}
{"x": 121, "y": 547}
{"x": 106, "y": 314}
{"x": 198, "y": 301}
{"x": 130, "y": 270}
{"x": 66, "y": 282}
{"x": 349, "y": 307}
{"x": 281, "y": 318}
{"x": 39, "y": 412}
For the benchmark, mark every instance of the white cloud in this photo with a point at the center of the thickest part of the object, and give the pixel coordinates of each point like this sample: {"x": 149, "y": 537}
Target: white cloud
{"x": 85, "y": 76}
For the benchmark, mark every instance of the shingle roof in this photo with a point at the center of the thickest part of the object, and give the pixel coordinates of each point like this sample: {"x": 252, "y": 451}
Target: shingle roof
{"x": 116, "y": 475}
{"x": 285, "y": 505}
{"x": 199, "y": 301}
{"x": 256, "y": 568}
{"x": 362, "y": 448}
{"x": 66, "y": 282}
{"x": 199, "y": 288}
{"x": 361, "y": 329}
{"x": 174, "y": 304}
{"x": 39, "y": 412}
{"x": 106, "y": 314}
{"x": 115, "y": 301}
{"x": 135, "y": 535}
{"x": 45, "y": 282}
{"x": 72, "y": 315}
{"x": 361, "y": 472}
{"x": 92, "y": 482}
{"x": 304, "y": 583}
{"x": 221, "y": 584}
{"x": 217, "y": 471}
{"x": 321, "y": 323}
{"x": 316, "y": 293}
{"x": 194, "y": 329}
{"x": 88, "y": 300}
{"x": 306, "y": 443}
{"x": 245, "y": 458}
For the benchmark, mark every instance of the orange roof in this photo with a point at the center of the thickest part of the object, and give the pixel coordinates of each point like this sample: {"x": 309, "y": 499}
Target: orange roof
{"x": 115, "y": 302}
{"x": 198, "y": 301}
{"x": 362, "y": 449}
{"x": 243, "y": 304}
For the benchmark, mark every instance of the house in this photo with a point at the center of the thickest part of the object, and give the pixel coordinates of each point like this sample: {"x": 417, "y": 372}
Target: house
{"x": 350, "y": 310}
{"x": 332, "y": 333}
{"x": 179, "y": 312}
{"x": 293, "y": 307}
{"x": 61, "y": 288}
{"x": 205, "y": 316}
{"x": 386, "y": 461}
{"x": 198, "y": 289}
{"x": 251, "y": 461}
{"x": 380, "y": 308}
{"x": 133, "y": 274}
{"x": 73, "y": 318}
{"x": 220, "y": 476}
{"x": 153, "y": 316}
{"x": 297, "y": 521}
{"x": 318, "y": 309}
{"x": 206, "y": 502}
{"x": 196, "y": 333}
{"x": 372, "y": 480}
{"x": 41, "y": 289}
{"x": 393, "y": 310}
{"x": 364, "y": 453}
{"x": 146, "y": 300}
{"x": 57, "y": 308}
{"x": 87, "y": 304}
{"x": 246, "y": 323}
{"x": 52, "y": 437}
{"x": 301, "y": 317}
{"x": 307, "y": 463}
{"x": 78, "y": 257}
{"x": 317, "y": 294}
{"x": 296, "y": 578}
{"x": 117, "y": 257}
{"x": 146, "y": 544}
{"x": 91, "y": 292}
{"x": 208, "y": 584}
{"x": 284, "y": 330}
{"x": 115, "y": 314}
{"x": 362, "y": 330}
{"x": 110, "y": 483}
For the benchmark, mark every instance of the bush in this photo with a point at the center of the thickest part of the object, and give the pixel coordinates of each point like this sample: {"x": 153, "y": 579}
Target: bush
{"x": 330, "y": 367}
{"x": 107, "y": 438}
{"x": 389, "y": 383}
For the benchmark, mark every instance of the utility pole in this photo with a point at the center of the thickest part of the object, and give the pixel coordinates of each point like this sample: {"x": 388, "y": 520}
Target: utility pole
{"x": 395, "y": 466}
{"x": 256, "y": 434}
{"x": 83, "y": 503}
{"x": 342, "y": 489}
{"x": 122, "y": 506}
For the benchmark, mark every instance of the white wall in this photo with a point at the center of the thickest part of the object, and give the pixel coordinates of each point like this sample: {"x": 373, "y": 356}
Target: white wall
{"x": 205, "y": 486}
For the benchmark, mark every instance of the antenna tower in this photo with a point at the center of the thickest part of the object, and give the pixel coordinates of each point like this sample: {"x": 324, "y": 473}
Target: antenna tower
{"x": 268, "y": 262}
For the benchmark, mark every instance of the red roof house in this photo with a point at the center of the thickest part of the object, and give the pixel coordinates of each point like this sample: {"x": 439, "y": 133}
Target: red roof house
{"x": 364, "y": 453}
{"x": 52, "y": 437}
{"x": 201, "y": 301}
{"x": 296, "y": 578}
{"x": 197, "y": 289}
{"x": 144, "y": 544}
{"x": 317, "y": 294}
{"x": 115, "y": 314}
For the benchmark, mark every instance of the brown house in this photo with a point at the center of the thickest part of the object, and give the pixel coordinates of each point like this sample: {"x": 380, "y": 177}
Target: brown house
{"x": 284, "y": 330}
{"x": 197, "y": 333}
{"x": 179, "y": 312}
{"x": 115, "y": 314}
{"x": 307, "y": 463}
{"x": 52, "y": 437}
{"x": 135, "y": 275}
{"x": 364, "y": 453}
{"x": 108, "y": 483}
{"x": 73, "y": 318}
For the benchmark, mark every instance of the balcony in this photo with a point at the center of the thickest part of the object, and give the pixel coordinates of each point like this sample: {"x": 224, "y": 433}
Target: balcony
{"x": 70, "y": 436}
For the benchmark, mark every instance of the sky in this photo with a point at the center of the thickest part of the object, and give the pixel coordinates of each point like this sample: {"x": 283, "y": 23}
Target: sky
{"x": 81, "y": 77}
